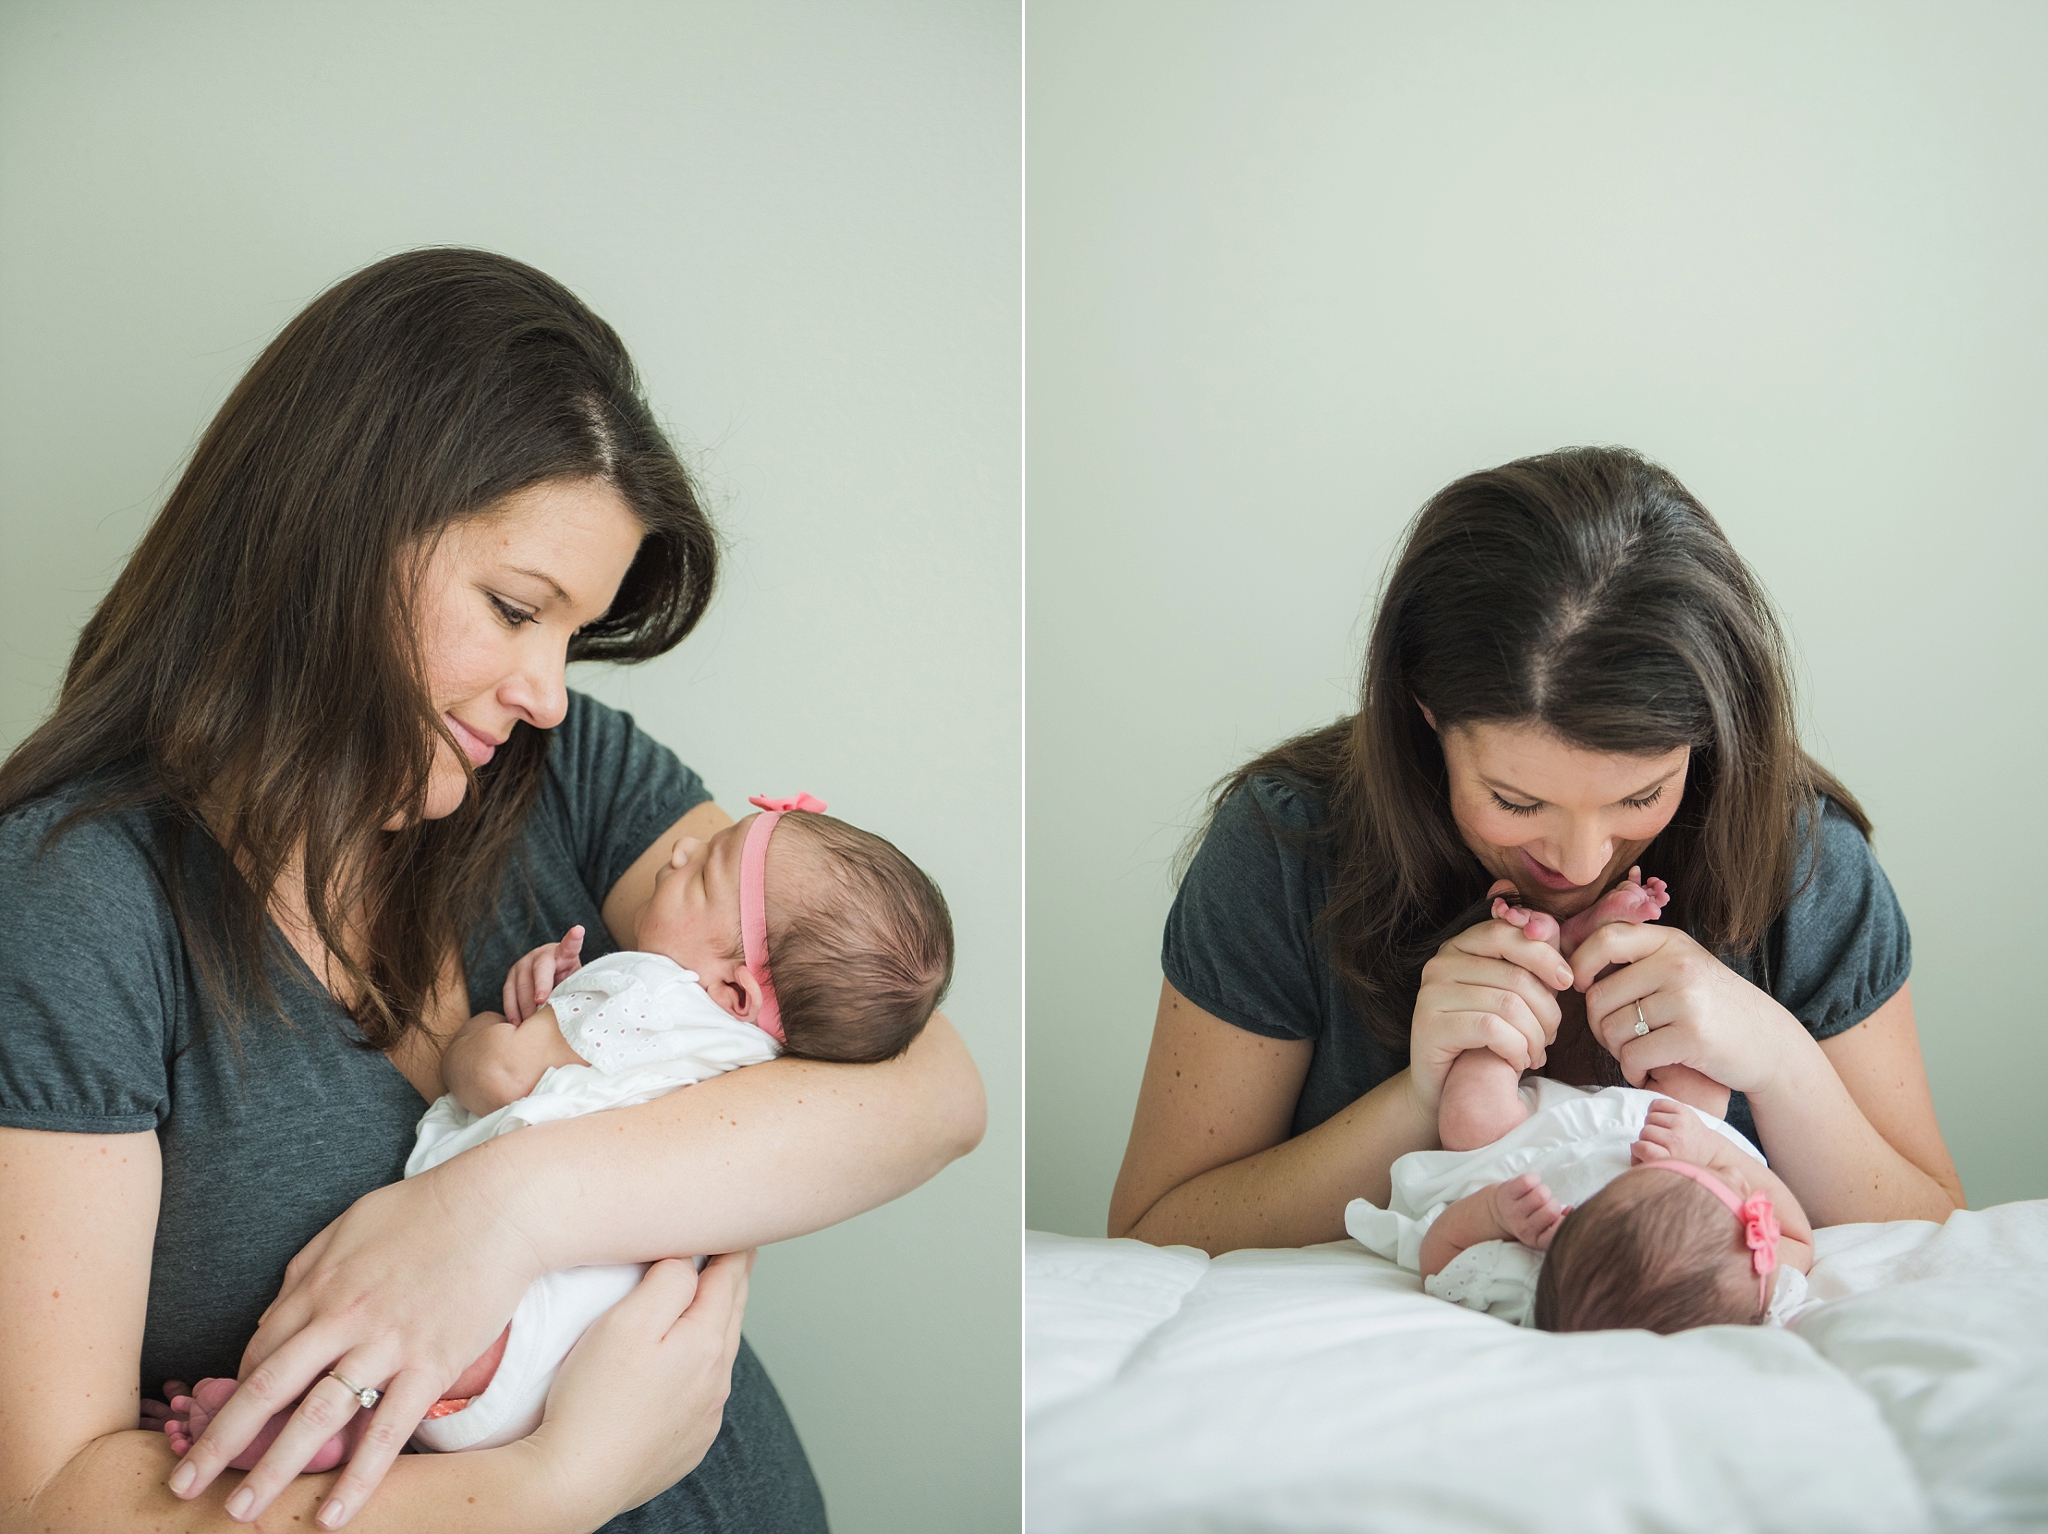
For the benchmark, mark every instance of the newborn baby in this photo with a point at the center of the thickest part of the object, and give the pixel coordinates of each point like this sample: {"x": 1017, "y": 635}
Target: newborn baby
{"x": 1679, "y": 1222}
{"x": 834, "y": 946}
{"x": 1643, "y": 1248}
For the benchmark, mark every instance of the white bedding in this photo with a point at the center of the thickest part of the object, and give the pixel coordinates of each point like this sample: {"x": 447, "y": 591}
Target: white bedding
{"x": 1320, "y": 1390}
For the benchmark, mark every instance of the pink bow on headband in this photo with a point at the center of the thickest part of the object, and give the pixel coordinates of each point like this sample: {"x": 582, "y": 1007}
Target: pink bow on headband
{"x": 1759, "y": 1221}
{"x": 754, "y": 899}
{"x": 782, "y": 806}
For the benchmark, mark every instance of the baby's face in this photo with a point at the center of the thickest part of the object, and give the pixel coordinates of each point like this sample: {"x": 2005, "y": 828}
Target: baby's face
{"x": 693, "y": 916}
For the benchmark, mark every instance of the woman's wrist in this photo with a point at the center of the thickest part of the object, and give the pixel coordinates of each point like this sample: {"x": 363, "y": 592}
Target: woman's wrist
{"x": 549, "y": 1487}
{"x": 1790, "y": 1061}
{"x": 504, "y": 1196}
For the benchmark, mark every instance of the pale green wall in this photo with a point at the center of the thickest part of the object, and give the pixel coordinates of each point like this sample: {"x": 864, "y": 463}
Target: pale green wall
{"x": 1295, "y": 266}
{"x": 804, "y": 219}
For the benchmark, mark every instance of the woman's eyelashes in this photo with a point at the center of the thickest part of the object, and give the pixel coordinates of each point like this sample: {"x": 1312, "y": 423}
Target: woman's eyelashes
{"x": 514, "y": 617}
{"x": 1642, "y": 802}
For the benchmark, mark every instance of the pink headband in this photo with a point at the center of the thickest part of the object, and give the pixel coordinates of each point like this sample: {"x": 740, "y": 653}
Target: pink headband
{"x": 754, "y": 899}
{"x": 1759, "y": 1224}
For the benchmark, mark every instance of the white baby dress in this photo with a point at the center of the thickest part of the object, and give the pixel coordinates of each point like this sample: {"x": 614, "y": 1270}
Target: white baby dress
{"x": 1576, "y": 1140}
{"x": 646, "y": 1027}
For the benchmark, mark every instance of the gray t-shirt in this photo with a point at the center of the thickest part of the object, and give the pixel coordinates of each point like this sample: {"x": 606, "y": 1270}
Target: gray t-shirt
{"x": 1241, "y": 943}
{"x": 104, "y": 1029}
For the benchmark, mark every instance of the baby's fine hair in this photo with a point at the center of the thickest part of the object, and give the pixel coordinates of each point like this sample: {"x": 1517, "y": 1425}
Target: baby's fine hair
{"x": 860, "y": 943}
{"x": 1656, "y": 1255}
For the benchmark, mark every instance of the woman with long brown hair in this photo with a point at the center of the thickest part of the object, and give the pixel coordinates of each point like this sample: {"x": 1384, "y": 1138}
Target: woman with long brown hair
{"x": 314, "y": 782}
{"x": 1571, "y": 673}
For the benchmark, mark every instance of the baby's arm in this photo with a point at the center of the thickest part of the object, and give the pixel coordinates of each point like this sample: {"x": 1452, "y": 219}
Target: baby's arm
{"x": 492, "y": 1062}
{"x": 1520, "y": 1209}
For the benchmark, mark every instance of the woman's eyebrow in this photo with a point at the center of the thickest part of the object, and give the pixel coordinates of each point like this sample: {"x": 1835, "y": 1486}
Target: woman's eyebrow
{"x": 543, "y": 577}
{"x": 1654, "y": 785}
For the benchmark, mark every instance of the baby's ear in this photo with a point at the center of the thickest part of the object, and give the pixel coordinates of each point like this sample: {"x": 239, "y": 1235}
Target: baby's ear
{"x": 744, "y": 991}
{"x": 735, "y": 988}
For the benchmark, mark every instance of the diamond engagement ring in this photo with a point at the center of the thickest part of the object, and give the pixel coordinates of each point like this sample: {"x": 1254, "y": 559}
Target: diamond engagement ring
{"x": 363, "y": 1394}
{"x": 1642, "y": 1027}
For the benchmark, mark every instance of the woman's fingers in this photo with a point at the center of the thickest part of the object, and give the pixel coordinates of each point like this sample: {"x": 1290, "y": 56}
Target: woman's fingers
{"x": 1464, "y": 980}
{"x": 1504, "y": 940}
{"x": 405, "y": 1402}
{"x": 1617, "y": 942}
{"x": 720, "y": 1297}
{"x": 1671, "y": 1045}
{"x": 1490, "y": 1031}
{"x": 262, "y": 1394}
{"x": 328, "y": 1408}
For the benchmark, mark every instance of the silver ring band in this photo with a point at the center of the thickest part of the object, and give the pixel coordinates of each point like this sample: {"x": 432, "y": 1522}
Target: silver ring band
{"x": 1642, "y": 1027}
{"x": 365, "y": 1396}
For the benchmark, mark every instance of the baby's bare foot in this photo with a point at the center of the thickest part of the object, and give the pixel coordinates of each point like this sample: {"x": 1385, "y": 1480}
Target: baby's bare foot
{"x": 191, "y": 1413}
{"x": 1635, "y": 899}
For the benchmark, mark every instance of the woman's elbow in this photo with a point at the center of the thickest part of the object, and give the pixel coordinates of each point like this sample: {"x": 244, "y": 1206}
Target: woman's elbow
{"x": 959, "y": 1102}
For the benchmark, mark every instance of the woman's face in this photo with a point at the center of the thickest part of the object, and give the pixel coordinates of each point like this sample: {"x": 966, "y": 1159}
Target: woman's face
{"x": 497, "y": 600}
{"x": 1563, "y": 823}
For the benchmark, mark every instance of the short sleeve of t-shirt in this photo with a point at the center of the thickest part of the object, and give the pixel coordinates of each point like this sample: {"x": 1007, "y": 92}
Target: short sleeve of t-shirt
{"x": 1842, "y": 948}
{"x": 1240, "y": 937}
{"x": 615, "y": 788}
{"x": 89, "y": 1002}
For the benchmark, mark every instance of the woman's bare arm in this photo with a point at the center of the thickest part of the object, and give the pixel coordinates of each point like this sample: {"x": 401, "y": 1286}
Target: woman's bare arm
{"x": 1210, "y": 1163}
{"x": 1850, "y": 1124}
{"x": 753, "y": 1156}
{"x": 77, "y": 1219}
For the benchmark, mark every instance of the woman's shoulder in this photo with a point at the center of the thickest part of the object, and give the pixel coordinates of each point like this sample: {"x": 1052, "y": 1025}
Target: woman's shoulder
{"x": 72, "y": 840}
{"x": 1842, "y": 948}
{"x": 1270, "y": 806}
{"x": 612, "y": 790}
{"x": 601, "y": 749}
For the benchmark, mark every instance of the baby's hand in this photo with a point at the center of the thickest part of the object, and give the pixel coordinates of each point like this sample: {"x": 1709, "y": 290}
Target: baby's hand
{"x": 528, "y": 982}
{"x": 1673, "y": 1131}
{"x": 1527, "y": 1211}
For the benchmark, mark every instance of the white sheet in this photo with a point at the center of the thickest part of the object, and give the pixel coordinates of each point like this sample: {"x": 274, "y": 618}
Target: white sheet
{"x": 1321, "y": 1390}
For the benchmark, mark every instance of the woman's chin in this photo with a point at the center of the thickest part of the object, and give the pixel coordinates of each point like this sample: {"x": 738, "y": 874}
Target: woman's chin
{"x": 443, "y": 800}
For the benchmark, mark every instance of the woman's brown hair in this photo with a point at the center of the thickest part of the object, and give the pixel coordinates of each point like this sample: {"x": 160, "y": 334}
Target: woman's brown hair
{"x": 254, "y": 672}
{"x": 1588, "y": 592}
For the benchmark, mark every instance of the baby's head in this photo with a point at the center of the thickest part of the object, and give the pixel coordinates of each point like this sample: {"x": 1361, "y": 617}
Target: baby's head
{"x": 1652, "y": 1250}
{"x": 856, "y": 949}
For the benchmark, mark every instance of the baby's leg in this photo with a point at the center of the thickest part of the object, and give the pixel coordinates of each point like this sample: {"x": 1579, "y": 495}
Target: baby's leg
{"x": 1479, "y": 1102}
{"x": 190, "y": 1414}
{"x": 1691, "y": 1087}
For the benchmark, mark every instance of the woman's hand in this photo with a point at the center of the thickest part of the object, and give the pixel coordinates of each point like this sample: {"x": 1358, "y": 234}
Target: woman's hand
{"x": 641, "y": 1397}
{"x": 528, "y": 982}
{"x": 1490, "y": 987}
{"x": 1699, "y": 1012}
{"x": 401, "y": 1293}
